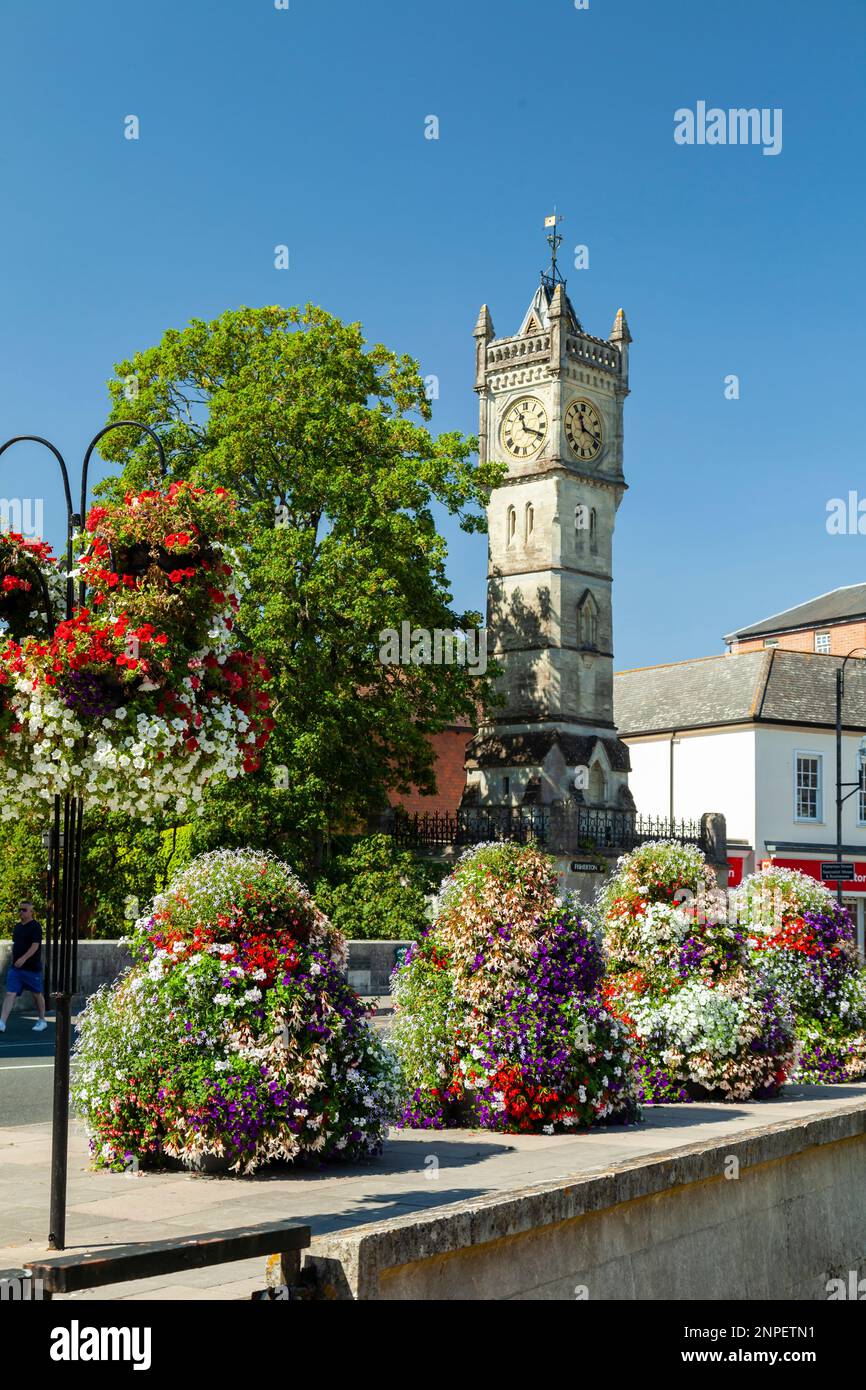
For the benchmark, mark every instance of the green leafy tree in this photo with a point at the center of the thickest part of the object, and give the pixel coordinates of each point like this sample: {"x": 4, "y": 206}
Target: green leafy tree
{"x": 23, "y": 868}
{"x": 324, "y": 440}
{"x": 376, "y": 892}
{"x": 123, "y": 866}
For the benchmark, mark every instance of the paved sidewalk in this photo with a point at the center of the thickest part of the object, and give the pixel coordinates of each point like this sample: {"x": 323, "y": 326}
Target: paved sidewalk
{"x": 419, "y": 1170}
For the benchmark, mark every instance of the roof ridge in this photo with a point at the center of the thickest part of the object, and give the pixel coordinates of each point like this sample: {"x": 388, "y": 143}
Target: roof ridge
{"x": 763, "y": 683}
{"x": 792, "y": 608}
{"x": 686, "y": 661}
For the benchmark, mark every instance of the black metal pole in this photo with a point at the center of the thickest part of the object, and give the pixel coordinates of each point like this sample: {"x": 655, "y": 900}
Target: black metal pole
{"x": 60, "y": 1120}
{"x": 65, "y": 870}
{"x": 840, "y": 687}
{"x": 65, "y": 920}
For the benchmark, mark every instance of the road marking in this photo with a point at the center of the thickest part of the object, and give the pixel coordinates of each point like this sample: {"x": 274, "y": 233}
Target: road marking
{"x": 29, "y": 1066}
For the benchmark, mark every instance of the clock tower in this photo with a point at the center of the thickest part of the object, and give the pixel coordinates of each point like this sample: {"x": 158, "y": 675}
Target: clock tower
{"x": 551, "y": 406}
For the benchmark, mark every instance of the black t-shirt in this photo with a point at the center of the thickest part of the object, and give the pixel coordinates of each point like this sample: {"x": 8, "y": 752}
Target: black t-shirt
{"x": 23, "y": 936}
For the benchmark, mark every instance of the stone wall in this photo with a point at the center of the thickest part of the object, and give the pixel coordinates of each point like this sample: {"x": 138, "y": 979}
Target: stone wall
{"x": 100, "y": 962}
{"x": 678, "y": 1227}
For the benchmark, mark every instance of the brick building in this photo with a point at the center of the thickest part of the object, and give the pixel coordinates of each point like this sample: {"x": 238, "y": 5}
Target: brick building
{"x": 832, "y": 624}
{"x": 449, "y": 755}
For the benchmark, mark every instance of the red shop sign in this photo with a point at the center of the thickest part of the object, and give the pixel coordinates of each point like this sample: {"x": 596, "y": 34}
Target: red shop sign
{"x": 812, "y": 867}
{"x": 735, "y": 872}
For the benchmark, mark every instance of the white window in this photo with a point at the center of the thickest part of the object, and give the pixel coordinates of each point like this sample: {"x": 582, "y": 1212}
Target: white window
{"x": 861, "y": 797}
{"x": 822, "y": 642}
{"x": 530, "y": 522}
{"x": 807, "y": 786}
{"x": 771, "y": 641}
{"x": 511, "y": 525}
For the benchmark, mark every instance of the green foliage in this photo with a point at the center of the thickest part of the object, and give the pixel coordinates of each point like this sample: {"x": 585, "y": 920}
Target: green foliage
{"x": 23, "y": 864}
{"x": 377, "y": 892}
{"x": 123, "y": 865}
{"x": 326, "y": 436}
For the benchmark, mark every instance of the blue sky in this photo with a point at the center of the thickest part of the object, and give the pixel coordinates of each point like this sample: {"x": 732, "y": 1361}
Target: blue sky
{"x": 306, "y": 127}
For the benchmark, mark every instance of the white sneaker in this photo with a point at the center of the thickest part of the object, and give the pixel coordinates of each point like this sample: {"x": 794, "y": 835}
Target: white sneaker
{"x": 38, "y": 1027}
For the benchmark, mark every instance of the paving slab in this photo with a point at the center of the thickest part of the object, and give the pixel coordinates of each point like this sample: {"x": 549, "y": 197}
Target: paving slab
{"x": 419, "y": 1170}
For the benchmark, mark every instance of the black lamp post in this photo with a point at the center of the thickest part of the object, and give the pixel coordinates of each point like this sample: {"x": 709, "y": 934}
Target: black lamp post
{"x": 855, "y": 786}
{"x": 64, "y": 873}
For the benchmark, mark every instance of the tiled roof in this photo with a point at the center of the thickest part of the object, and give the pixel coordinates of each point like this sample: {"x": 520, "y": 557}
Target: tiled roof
{"x": 772, "y": 686}
{"x": 515, "y": 750}
{"x": 839, "y": 604}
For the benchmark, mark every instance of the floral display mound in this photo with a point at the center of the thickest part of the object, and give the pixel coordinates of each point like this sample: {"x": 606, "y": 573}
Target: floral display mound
{"x": 145, "y": 695}
{"x": 498, "y": 1019}
{"x": 805, "y": 942}
{"x": 706, "y": 1021}
{"x": 233, "y": 1040}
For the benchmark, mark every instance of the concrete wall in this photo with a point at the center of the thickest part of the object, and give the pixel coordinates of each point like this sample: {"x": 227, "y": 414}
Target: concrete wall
{"x": 100, "y": 962}
{"x": 713, "y": 768}
{"x": 674, "y": 1227}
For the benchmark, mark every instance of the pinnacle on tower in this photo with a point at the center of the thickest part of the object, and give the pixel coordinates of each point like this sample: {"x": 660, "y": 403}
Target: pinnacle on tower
{"x": 619, "y": 333}
{"x": 484, "y": 326}
{"x": 558, "y": 302}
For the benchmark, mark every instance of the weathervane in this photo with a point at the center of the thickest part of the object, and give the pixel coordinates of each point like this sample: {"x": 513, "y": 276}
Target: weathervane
{"x": 551, "y": 278}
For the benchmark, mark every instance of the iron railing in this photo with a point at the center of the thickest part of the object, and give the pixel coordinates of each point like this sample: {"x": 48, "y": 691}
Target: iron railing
{"x": 561, "y": 828}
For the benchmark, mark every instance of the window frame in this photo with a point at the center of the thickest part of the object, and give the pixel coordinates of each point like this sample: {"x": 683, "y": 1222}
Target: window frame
{"x": 818, "y": 818}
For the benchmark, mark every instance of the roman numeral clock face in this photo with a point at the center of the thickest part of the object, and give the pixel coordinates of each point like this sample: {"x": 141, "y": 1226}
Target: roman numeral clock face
{"x": 524, "y": 428}
{"x": 583, "y": 430}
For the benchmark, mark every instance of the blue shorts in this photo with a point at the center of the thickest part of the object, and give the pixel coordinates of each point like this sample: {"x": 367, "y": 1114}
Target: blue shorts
{"x": 19, "y": 980}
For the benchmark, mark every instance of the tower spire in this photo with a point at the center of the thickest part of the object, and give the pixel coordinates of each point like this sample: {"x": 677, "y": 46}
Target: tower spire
{"x": 553, "y": 277}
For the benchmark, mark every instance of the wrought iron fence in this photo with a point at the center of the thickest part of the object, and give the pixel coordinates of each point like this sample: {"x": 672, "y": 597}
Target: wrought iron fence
{"x": 472, "y": 825}
{"x": 561, "y": 828}
{"x": 589, "y": 827}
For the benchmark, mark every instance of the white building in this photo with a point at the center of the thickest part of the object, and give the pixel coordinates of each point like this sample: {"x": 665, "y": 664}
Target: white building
{"x": 753, "y": 736}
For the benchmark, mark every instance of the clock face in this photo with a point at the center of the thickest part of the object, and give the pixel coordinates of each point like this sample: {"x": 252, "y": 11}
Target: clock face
{"x": 524, "y": 428}
{"x": 583, "y": 429}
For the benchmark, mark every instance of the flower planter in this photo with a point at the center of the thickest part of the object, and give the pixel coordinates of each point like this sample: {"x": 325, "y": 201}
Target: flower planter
{"x": 17, "y": 604}
{"x": 215, "y": 1165}
{"x": 169, "y": 560}
{"x": 134, "y": 560}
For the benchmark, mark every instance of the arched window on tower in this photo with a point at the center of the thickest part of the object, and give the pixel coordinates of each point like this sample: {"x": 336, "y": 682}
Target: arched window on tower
{"x": 587, "y": 622}
{"x": 581, "y": 521}
{"x": 593, "y": 530}
{"x": 511, "y": 525}
{"x": 597, "y": 785}
{"x": 530, "y": 522}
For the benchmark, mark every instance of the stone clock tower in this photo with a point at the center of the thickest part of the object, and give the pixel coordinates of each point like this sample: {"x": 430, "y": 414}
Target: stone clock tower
{"x": 551, "y": 407}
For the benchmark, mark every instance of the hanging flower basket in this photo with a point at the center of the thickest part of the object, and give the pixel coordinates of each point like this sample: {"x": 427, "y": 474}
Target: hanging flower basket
{"x": 133, "y": 559}
{"x": 170, "y": 557}
{"x": 29, "y": 584}
{"x": 141, "y": 698}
